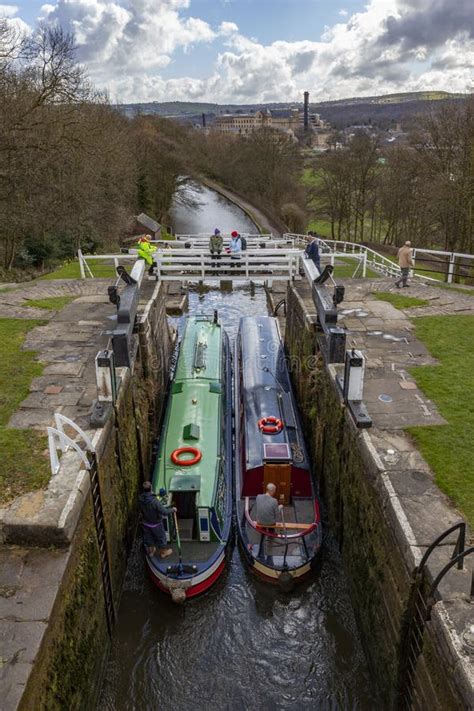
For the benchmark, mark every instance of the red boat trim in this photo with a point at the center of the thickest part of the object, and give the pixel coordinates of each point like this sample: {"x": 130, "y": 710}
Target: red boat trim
{"x": 282, "y": 536}
{"x": 193, "y": 589}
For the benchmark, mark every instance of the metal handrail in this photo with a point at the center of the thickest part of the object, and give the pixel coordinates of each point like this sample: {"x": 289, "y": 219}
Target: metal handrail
{"x": 456, "y": 560}
{"x": 458, "y": 547}
{"x": 341, "y": 248}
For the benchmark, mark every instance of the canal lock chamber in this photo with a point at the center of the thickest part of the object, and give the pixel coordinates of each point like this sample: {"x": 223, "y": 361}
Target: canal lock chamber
{"x": 243, "y": 642}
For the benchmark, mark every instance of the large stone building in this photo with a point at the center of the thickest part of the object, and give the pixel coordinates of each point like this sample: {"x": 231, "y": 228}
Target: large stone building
{"x": 242, "y": 123}
{"x": 280, "y": 119}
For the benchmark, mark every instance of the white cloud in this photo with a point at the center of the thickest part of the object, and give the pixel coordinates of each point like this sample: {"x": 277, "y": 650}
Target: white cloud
{"x": 114, "y": 39}
{"x": 391, "y": 45}
{"x": 8, "y": 10}
{"x": 228, "y": 28}
{"x": 10, "y": 14}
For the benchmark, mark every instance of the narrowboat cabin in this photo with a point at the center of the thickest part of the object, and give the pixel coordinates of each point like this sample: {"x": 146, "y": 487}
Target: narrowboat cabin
{"x": 270, "y": 449}
{"x": 193, "y": 470}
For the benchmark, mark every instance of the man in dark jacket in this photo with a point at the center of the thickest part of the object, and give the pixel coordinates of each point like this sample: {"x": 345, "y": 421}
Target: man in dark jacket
{"x": 153, "y": 511}
{"x": 312, "y": 252}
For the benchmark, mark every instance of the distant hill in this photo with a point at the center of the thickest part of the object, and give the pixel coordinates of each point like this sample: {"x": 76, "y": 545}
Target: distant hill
{"x": 394, "y": 98}
{"x": 381, "y": 111}
{"x": 384, "y": 111}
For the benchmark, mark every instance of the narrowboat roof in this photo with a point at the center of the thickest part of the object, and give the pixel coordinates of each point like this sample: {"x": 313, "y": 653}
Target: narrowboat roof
{"x": 266, "y": 389}
{"x": 194, "y": 413}
{"x": 200, "y": 356}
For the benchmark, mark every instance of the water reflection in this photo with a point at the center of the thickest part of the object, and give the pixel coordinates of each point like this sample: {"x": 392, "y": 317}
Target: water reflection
{"x": 207, "y": 211}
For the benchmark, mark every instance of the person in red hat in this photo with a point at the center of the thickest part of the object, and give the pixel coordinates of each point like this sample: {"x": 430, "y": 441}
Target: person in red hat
{"x": 235, "y": 245}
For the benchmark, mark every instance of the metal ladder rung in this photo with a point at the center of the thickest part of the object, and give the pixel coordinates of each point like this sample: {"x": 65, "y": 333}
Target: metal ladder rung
{"x": 100, "y": 526}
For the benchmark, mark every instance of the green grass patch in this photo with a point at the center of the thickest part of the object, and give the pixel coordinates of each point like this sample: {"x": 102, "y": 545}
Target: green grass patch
{"x": 448, "y": 448}
{"x": 101, "y": 269}
{"x": 345, "y": 268}
{"x": 400, "y": 301}
{"x": 439, "y": 276}
{"x": 322, "y": 227}
{"x": 53, "y": 303}
{"x": 311, "y": 177}
{"x": 23, "y": 465}
{"x": 69, "y": 270}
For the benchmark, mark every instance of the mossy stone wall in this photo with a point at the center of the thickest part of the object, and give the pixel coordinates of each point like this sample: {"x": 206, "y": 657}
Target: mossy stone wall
{"x": 69, "y": 668}
{"x": 377, "y": 576}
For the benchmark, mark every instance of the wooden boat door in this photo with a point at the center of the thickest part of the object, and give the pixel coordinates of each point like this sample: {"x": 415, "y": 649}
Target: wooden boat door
{"x": 277, "y": 470}
{"x": 280, "y": 475}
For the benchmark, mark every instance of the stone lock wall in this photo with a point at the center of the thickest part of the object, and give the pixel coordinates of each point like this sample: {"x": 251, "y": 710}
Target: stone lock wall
{"x": 362, "y": 520}
{"x": 67, "y": 672}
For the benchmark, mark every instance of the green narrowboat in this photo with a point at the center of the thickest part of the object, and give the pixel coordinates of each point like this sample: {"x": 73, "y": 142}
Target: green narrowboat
{"x": 193, "y": 470}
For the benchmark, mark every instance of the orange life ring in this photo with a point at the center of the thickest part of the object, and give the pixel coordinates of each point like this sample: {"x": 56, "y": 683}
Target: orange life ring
{"x": 175, "y": 456}
{"x": 270, "y": 425}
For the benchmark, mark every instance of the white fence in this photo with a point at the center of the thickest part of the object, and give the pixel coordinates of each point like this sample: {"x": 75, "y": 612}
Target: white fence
{"x": 274, "y": 261}
{"x": 367, "y": 257}
{"x": 448, "y": 260}
{"x": 257, "y": 236}
{"x": 265, "y": 258}
{"x": 198, "y": 264}
{"x": 446, "y": 263}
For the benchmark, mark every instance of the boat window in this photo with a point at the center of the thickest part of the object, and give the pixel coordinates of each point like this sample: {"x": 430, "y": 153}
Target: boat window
{"x": 288, "y": 411}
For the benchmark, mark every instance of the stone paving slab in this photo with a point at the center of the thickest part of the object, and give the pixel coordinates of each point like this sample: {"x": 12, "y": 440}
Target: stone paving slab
{"x": 13, "y": 304}
{"x": 26, "y": 604}
{"x": 414, "y": 505}
{"x": 30, "y": 578}
{"x": 67, "y": 345}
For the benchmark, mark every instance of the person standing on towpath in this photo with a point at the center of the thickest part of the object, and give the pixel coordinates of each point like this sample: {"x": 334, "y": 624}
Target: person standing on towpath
{"x": 405, "y": 261}
{"x": 153, "y": 512}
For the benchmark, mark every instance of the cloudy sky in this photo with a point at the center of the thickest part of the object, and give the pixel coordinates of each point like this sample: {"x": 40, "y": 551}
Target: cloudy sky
{"x": 265, "y": 50}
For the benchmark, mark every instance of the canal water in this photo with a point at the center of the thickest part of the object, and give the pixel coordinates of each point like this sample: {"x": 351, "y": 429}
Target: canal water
{"x": 205, "y": 210}
{"x": 244, "y": 644}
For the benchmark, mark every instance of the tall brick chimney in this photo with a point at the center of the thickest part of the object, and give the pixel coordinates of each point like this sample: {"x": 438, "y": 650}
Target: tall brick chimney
{"x": 204, "y": 120}
{"x": 306, "y": 111}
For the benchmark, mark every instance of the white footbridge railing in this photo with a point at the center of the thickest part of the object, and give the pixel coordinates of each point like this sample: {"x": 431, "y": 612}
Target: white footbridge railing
{"x": 365, "y": 257}
{"x": 445, "y": 264}
{"x": 187, "y": 258}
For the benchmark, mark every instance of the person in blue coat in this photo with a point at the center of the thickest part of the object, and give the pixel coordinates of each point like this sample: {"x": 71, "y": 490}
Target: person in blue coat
{"x": 235, "y": 245}
{"x": 312, "y": 252}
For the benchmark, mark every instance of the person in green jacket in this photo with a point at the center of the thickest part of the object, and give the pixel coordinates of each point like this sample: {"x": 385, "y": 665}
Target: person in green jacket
{"x": 146, "y": 251}
{"x": 216, "y": 244}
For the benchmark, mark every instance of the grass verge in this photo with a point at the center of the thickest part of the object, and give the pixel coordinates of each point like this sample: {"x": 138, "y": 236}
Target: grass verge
{"x": 400, "y": 301}
{"x": 101, "y": 269}
{"x": 53, "y": 303}
{"x": 23, "y": 464}
{"x": 448, "y": 448}
{"x": 345, "y": 268}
